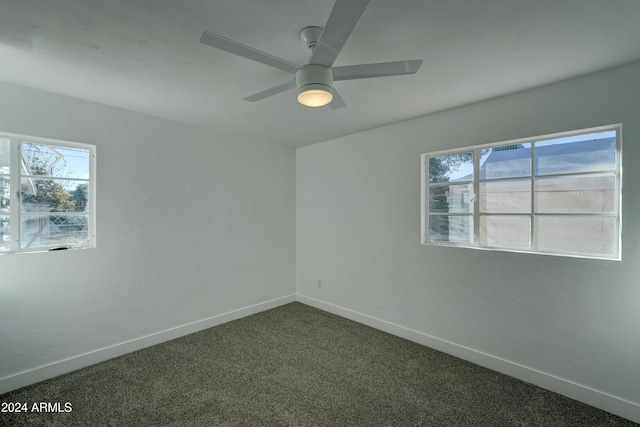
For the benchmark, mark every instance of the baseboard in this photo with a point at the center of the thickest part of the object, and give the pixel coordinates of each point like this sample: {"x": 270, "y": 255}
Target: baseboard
{"x": 579, "y": 392}
{"x": 585, "y": 394}
{"x": 60, "y": 367}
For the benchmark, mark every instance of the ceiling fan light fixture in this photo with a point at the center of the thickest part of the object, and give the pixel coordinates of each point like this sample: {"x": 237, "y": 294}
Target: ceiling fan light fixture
{"x": 315, "y": 85}
{"x": 315, "y": 96}
{"x": 314, "y": 81}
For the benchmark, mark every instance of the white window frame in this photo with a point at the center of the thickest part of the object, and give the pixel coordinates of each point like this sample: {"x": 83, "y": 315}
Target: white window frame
{"x": 15, "y": 176}
{"x": 476, "y": 214}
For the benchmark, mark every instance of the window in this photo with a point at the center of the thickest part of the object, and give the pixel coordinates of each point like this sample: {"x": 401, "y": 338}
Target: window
{"x": 557, "y": 194}
{"x": 47, "y": 194}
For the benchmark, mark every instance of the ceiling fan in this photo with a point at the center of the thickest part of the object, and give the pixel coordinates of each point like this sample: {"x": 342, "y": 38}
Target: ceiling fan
{"x": 314, "y": 81}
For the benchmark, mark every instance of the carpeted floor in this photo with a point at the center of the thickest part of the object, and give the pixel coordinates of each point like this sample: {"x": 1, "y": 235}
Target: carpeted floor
{"x": 295, "y": 366}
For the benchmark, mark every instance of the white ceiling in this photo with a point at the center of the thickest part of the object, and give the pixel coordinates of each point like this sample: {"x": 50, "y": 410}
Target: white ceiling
{"x": 144, "y": 55}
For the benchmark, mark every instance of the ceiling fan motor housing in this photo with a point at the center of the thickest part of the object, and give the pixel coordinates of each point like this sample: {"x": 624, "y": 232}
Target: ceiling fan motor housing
{"x": 314, "y": 76}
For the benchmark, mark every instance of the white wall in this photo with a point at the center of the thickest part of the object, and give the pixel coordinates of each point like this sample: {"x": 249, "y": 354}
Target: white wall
{"x": 193, "y": 228}
{"x": 568, "y": 324}
{"x": 197, "y": 227}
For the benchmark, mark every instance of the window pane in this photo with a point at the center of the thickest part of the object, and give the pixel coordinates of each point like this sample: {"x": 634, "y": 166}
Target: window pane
{"x": 581, "y": 235}
{"x": 443, "y": 228}
{"x": 4, "y": 233}
{"x": 511, "y": 196}
{"x": 54, "y": 195}
{"x": 582, "y": 153}
{"x": 453, "y": 167}
{"x": 508, "y": 161}
{"x": 451, "y": 198}
{"x": 505, "y": 231}
{"x": 53, "y": 230}
{"x": 52, "y": 160}
{"x": 589, "y": 193}
{"x": 4, "y": 156}
{"x": 5, "y": 195}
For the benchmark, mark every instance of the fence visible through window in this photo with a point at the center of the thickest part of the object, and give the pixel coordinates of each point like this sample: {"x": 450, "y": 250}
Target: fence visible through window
{"x": 47, "y": 194}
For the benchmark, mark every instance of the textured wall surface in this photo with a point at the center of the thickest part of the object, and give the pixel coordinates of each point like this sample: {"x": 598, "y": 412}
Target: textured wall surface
{"x": 190, "y": 224}
{"x": 358, "y": 230}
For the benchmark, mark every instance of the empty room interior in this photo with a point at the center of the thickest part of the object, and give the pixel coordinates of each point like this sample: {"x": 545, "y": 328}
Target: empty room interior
{"x": 459, "y": 175}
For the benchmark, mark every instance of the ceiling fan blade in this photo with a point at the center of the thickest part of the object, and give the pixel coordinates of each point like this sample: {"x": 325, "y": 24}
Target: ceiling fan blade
{"x": 272, "y": 91}
{"x": 382, "y": 69}
{"x": 337, "y": 101}
{"x": 343, "y": 18}
{"x": 228, "y": 45}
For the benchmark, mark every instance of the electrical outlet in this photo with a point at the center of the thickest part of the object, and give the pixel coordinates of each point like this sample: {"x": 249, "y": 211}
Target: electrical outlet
{"x": 319, "y": 284}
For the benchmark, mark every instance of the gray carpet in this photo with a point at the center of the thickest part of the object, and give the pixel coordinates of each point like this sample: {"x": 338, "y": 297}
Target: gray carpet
{"x": 296, "y": 366}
